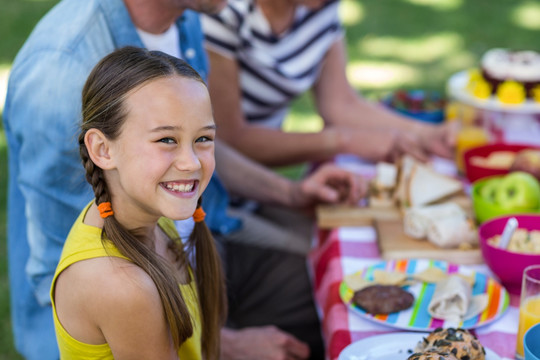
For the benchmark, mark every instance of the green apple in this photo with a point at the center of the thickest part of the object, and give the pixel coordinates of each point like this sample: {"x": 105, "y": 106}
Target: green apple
{"x": 518, "y": 190}
{"x": 489, "y": 189}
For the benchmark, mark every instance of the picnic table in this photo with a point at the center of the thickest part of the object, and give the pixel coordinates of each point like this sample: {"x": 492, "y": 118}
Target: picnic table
{"x": 342, "y": 250}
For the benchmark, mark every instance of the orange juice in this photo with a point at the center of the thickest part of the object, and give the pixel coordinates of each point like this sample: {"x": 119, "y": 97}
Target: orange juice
{"x": 469, "y": 137}
{"x": 529, "y": 315}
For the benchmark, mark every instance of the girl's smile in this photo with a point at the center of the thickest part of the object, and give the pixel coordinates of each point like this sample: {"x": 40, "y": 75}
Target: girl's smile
{"x": 181, "y": 187}
{"x": 163, "y": 157}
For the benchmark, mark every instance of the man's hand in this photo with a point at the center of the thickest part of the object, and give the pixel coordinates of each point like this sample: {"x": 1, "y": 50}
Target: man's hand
{"x": 328, "y": 184}
{"x": 261, "y": 343}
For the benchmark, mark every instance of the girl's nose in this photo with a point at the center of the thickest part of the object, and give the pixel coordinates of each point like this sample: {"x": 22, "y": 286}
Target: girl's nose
{"x": 187, "y": 159}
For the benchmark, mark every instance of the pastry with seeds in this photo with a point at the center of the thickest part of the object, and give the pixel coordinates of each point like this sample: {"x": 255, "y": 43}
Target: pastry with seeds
{"x": 459, "y": 342}
{"x": 432, "y": 355}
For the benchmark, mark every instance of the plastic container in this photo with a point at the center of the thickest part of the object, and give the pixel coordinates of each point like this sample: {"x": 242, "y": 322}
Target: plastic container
{"x": 474, "y": 172}
{"x": 507, "y": 265}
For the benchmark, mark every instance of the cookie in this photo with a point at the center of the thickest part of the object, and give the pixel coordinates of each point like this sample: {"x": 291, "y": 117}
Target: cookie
{"x": 383, "y": 299}
{"x": 459, "y": 342}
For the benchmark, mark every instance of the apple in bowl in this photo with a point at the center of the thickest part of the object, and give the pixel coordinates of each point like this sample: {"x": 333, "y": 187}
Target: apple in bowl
{"x": 515, "y": 193}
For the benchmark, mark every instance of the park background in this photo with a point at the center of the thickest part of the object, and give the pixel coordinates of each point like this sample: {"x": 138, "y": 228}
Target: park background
{"x": 392, "y": 44}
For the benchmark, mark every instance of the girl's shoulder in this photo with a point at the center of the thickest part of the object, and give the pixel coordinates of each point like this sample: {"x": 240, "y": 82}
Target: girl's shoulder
{"x": 113, "y": 278}
{"x": 116, "y": 297}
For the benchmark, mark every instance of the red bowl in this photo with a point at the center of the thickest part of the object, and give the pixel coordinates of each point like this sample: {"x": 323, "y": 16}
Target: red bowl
{"x": 507, "y": 265}
{"x": 475, "y": 172}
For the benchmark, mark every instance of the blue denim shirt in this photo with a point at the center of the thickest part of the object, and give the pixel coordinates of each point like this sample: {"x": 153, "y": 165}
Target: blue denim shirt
{"x": 47, "y": 186}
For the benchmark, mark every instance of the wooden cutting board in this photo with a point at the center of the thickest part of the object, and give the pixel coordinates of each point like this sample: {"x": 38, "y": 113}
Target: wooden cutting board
{"x": 392, "y": 241}
{"x": 394, "y": 244}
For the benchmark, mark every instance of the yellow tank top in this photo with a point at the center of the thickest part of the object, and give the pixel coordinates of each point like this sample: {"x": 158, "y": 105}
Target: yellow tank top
{"x": 84, "y": 242}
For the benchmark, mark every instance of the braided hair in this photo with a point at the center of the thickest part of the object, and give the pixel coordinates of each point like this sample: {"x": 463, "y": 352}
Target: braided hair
{"x": 102, "y": 108}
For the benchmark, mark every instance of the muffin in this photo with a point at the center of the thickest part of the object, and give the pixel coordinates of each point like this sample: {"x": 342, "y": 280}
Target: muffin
{"x": 459, "y": 342}
{"x": 432, "y": 355}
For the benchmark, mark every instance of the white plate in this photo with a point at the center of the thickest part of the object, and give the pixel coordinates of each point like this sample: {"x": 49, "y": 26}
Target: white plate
{"x": 392, "y": 346}
{"x": 457, "y": 89}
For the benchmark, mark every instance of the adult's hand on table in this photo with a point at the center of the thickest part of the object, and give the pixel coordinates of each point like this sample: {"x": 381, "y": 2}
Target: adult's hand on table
{"x": 440, "y": 140}
{"x": 329, "y": 184}
{"x": 261, "y": 343}
{"x": 408, "y": 143}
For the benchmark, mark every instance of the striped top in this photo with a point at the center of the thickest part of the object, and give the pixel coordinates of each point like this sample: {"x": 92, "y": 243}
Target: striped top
{"x": 273, "y": 69}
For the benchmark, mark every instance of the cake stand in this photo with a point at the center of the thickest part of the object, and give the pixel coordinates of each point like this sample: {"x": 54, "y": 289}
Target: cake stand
{"x": 510, "y": 123}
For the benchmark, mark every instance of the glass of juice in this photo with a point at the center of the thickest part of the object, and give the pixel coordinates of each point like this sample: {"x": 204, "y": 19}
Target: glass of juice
{"x": 529, "y": 307}
{"x": 468, "y": 137}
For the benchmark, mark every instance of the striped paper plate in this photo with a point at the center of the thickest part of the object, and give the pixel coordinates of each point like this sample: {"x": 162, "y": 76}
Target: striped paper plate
{"x": 417, "y": 316}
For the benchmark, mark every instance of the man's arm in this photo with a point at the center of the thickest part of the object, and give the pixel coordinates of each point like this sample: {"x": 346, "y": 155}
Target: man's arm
{"x": 43, "y": 115}
{"x": 244, "y": 177}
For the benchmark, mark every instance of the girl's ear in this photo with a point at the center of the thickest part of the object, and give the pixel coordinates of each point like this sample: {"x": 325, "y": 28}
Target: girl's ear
{"x": 98, "y": 149}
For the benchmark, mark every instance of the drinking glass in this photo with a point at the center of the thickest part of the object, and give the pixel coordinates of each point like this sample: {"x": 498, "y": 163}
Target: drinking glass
{"x": 529, "y": 307}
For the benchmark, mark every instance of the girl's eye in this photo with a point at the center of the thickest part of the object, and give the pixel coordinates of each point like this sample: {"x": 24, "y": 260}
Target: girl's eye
{"x": 167, "y": 141}
{"x": 204, "y": 139}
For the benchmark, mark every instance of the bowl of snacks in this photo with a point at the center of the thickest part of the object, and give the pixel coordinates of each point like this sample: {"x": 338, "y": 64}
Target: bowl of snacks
{"x": 499, "y": 159}
{"x": 422, "y": 105}
{"x": 522, "y": 250}
{"x": 517, "y": 192}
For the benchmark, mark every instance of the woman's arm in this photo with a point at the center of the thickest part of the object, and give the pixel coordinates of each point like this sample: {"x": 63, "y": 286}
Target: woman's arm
{"x": 275, "y": 147}
{"x": 340, "y": 104}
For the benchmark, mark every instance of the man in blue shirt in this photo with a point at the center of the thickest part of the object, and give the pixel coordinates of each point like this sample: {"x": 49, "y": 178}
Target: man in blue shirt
{"x": 47, "y": 188}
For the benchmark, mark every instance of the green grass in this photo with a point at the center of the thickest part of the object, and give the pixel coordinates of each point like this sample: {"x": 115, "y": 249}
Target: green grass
{"x": 391, "y": 44}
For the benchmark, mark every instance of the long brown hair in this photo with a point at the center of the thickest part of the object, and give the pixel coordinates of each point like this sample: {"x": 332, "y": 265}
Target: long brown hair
{"x": 103, "y": 108}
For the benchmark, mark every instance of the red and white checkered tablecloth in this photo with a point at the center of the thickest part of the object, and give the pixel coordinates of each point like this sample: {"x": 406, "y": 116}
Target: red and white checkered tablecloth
{"x": 346, "y": 250}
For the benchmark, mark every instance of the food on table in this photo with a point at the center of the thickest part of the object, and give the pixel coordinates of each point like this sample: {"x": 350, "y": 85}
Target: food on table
{"x": 495, "y": 160}
{"x": 445, "y": 225}
{"x": 527, "y": 160}
{"x": 416, "y": 101}
{"x": 517, "y": 190}
{"x": 386, "y": 175}
{"x": 452, "y": 300}
{"x": 383, "y": 185}
{"x": 469, "y": 137}
{"x": 522, "y": 241}
{"x": 427, "y": 186}
{"x": 529, "y": 315}
{"x": 406, "y": 164}
{"x": 416, "y": 220}
{"x": 508, "y": 76}
{"x": 452, "y": 232}
{"x": 431, "y": 275}
{"x": 383, "y": 277}
{"x": 459, "y": 342}
{"x": 432, "y": 355}
{"x": 383, "y": 299}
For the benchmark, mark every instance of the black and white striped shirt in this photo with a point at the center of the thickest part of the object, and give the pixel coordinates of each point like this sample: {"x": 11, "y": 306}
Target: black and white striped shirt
{"x": 274, "y": 69}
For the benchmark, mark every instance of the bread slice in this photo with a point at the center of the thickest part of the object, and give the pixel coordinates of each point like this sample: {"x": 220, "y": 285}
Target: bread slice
{"x": 386, "y": 176}
{"x": 406, "y": 165}
{"x": 425, "y": 186}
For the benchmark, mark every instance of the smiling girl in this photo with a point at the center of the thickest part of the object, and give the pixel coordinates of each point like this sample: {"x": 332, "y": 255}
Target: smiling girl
{"x": 125, "y": 287}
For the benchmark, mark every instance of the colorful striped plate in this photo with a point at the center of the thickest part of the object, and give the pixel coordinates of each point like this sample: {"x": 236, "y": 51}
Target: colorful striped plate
{"x": 417, "y": 317}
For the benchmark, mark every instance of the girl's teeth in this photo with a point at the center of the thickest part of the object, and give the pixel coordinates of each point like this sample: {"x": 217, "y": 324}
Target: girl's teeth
{"x": 180, "y": 187}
